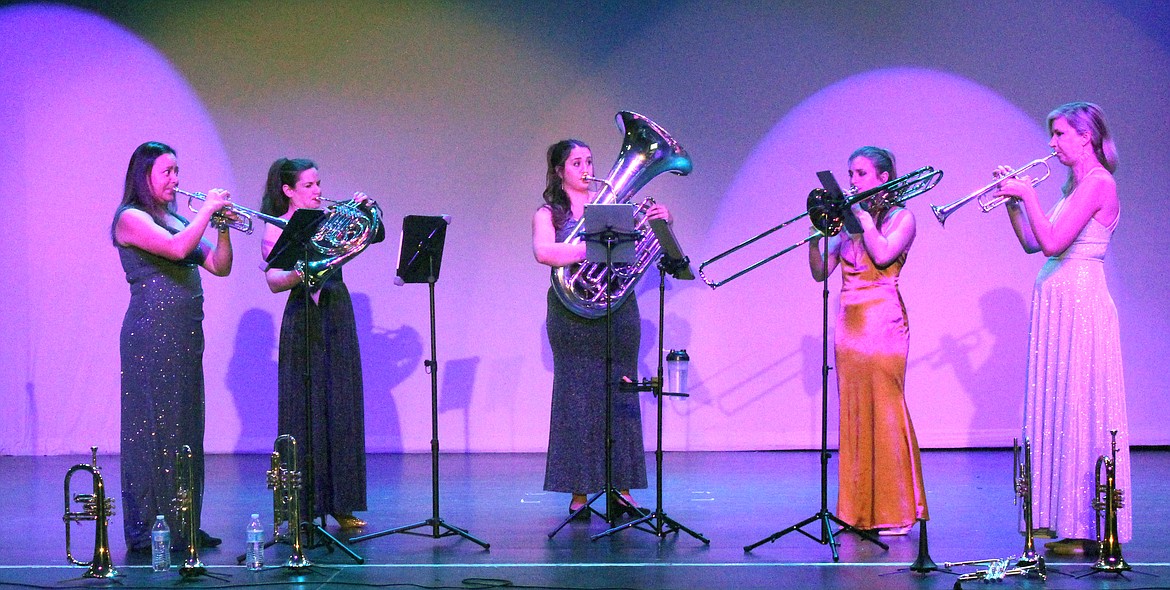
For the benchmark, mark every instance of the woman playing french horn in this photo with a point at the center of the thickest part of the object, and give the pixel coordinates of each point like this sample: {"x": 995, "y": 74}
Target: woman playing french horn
{"x": 1075, "y": 392}
{"x": 880, "y": 469}
{"x": 336, "y": 417}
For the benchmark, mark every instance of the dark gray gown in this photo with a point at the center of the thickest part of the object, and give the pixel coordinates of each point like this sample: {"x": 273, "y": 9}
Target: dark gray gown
{"x": 576, "y": 441}
{"x": 336, "y": 410}
{"x": 162, "y": 389}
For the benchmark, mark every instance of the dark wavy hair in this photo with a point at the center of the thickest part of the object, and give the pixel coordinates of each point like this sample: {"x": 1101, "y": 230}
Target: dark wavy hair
{"x": 1086, "y": 117}
{"x": 282, "y": 172}
{"x": 555, "y": 197}
{"x": 136, "y": 192}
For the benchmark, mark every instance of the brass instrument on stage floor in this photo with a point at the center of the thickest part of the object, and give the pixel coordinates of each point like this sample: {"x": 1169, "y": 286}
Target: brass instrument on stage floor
{"x": 96, "y": 507}
{"x": 284, "y": 479}
{"x": 647, "y": 151}
{"x": 185, "y": 505}
{"x": 943, "y": 212}
{"x": 232, "y": 216}
{"x": 827, "y": 213}
{"x": 998, "y": 569}
{"x": 1022, "y": 477}
{"x": 1107, "y": 502}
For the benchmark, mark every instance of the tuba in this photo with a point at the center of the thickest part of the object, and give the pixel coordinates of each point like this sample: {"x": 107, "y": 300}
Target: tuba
{"x": 647, "y": 151}
{"x": 284, "y": 479}
{"x": 1106, "y": 503}
{"x": 98, "y": 508}
{"x": 184, "y": 502}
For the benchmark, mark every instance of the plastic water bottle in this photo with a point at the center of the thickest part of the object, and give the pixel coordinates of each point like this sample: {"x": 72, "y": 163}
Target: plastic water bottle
{"x": 160, "y": 545}
{"x": 677, "y": 366}
{"x": 255, "y": 559}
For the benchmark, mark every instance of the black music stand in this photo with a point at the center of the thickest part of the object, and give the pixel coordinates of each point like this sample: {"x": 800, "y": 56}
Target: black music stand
{"x": 677, "y": 265}
{"x": 295, "y": 245}
{"x": 824, "y": 516}
{"x": 420, "y": 254}
{"x": 609, "y": 236}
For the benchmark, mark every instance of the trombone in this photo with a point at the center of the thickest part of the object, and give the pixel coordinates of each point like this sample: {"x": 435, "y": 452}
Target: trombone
{"x": 943, "y": 212}
{"x": 827, "y": 213}
{"x": 242, "y": 219}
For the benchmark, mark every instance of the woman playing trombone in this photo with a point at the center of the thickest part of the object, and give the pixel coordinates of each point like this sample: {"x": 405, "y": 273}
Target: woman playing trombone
{"x": 880, "y": 471}
{"x": 1075, "y": 392}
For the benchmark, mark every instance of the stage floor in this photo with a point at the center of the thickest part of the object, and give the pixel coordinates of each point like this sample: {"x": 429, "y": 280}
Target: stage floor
{"x": 732, "y": 498}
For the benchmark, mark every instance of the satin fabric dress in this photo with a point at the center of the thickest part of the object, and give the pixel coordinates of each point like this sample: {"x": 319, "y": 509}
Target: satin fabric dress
{"x": 880, "y": 469}
{"x": 162, "y": 389}
{"x": 1075, "y": 389}
{"x": 576, "y": 441}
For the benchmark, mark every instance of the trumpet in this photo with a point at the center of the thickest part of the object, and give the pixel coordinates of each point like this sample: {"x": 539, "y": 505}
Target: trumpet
{"x": 98, "y": 508}
{"x": 1022, "y": 466}
{"x": 1107, "y": 502}
{"x": 827, "y": 213}
{"x": 233, "y": 216}
{"x": 284, "y": 479}
{"x": 944, "y": 211}
{"x": 185, "y": 505}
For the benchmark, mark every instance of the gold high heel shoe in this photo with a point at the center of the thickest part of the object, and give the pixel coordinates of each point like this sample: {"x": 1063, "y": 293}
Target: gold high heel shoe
{"x": 349, "y": 521}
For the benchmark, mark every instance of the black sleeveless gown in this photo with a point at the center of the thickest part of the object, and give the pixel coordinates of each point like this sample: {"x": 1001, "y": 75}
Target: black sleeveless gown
{"x": 576, "y": 440}
{"x": 162, "y": 389}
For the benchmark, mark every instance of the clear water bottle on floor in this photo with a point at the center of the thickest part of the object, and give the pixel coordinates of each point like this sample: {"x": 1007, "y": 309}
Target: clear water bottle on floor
{"x": 160, "y": 545}
{"x": 255, "y": 557}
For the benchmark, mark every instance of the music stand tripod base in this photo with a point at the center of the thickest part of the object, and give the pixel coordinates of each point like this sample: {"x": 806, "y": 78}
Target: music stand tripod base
{"x": 419, "y": 261}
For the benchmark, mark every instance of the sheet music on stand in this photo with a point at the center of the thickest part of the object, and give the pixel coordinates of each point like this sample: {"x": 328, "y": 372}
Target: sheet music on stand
{"x": 293, "y": 243}
{"x": 616, "y": 219}
{"x": 420, "y": 248}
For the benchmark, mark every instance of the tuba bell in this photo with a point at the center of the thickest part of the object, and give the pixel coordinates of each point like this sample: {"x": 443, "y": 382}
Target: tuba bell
{"x": 98, "y": 508}
{"x": 1106, "y": 503}
{"x": 647, "y": 151}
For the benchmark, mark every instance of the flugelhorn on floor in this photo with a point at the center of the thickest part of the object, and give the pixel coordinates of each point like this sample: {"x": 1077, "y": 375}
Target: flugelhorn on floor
{"x": 1107, "y": 502}
{"x": 185, "y": 505}
{"x": 96, "y": 507}
{"x": 944, "y": 211}
{"x": 284, "y": 479}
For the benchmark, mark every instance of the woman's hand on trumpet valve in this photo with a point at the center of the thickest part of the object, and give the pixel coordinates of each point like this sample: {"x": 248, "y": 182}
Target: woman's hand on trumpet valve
{"x": 659, "y": 211}
{"x": 1017, "y": 188}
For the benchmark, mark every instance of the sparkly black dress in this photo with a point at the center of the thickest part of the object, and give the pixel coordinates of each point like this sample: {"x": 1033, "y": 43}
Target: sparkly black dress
{"x": 162, "y": 389}
{"x": 576, "y": 440}
{"x": 336, "y": 409}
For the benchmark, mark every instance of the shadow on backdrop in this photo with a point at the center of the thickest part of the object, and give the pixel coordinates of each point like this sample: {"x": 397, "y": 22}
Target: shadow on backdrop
{"x": 252, "y": 380}
{"x": 388, "y": 358}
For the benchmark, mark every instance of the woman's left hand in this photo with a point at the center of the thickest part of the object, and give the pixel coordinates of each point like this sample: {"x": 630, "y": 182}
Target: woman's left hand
{"x": 1016, "y": 187}
{"x": 659, "y": 211}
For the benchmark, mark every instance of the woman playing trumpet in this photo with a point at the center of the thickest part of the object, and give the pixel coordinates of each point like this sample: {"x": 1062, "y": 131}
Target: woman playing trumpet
{"x": 880, "y": 469}
{"x": 162, "y": 339}
{"x": 1075, "y": 392}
